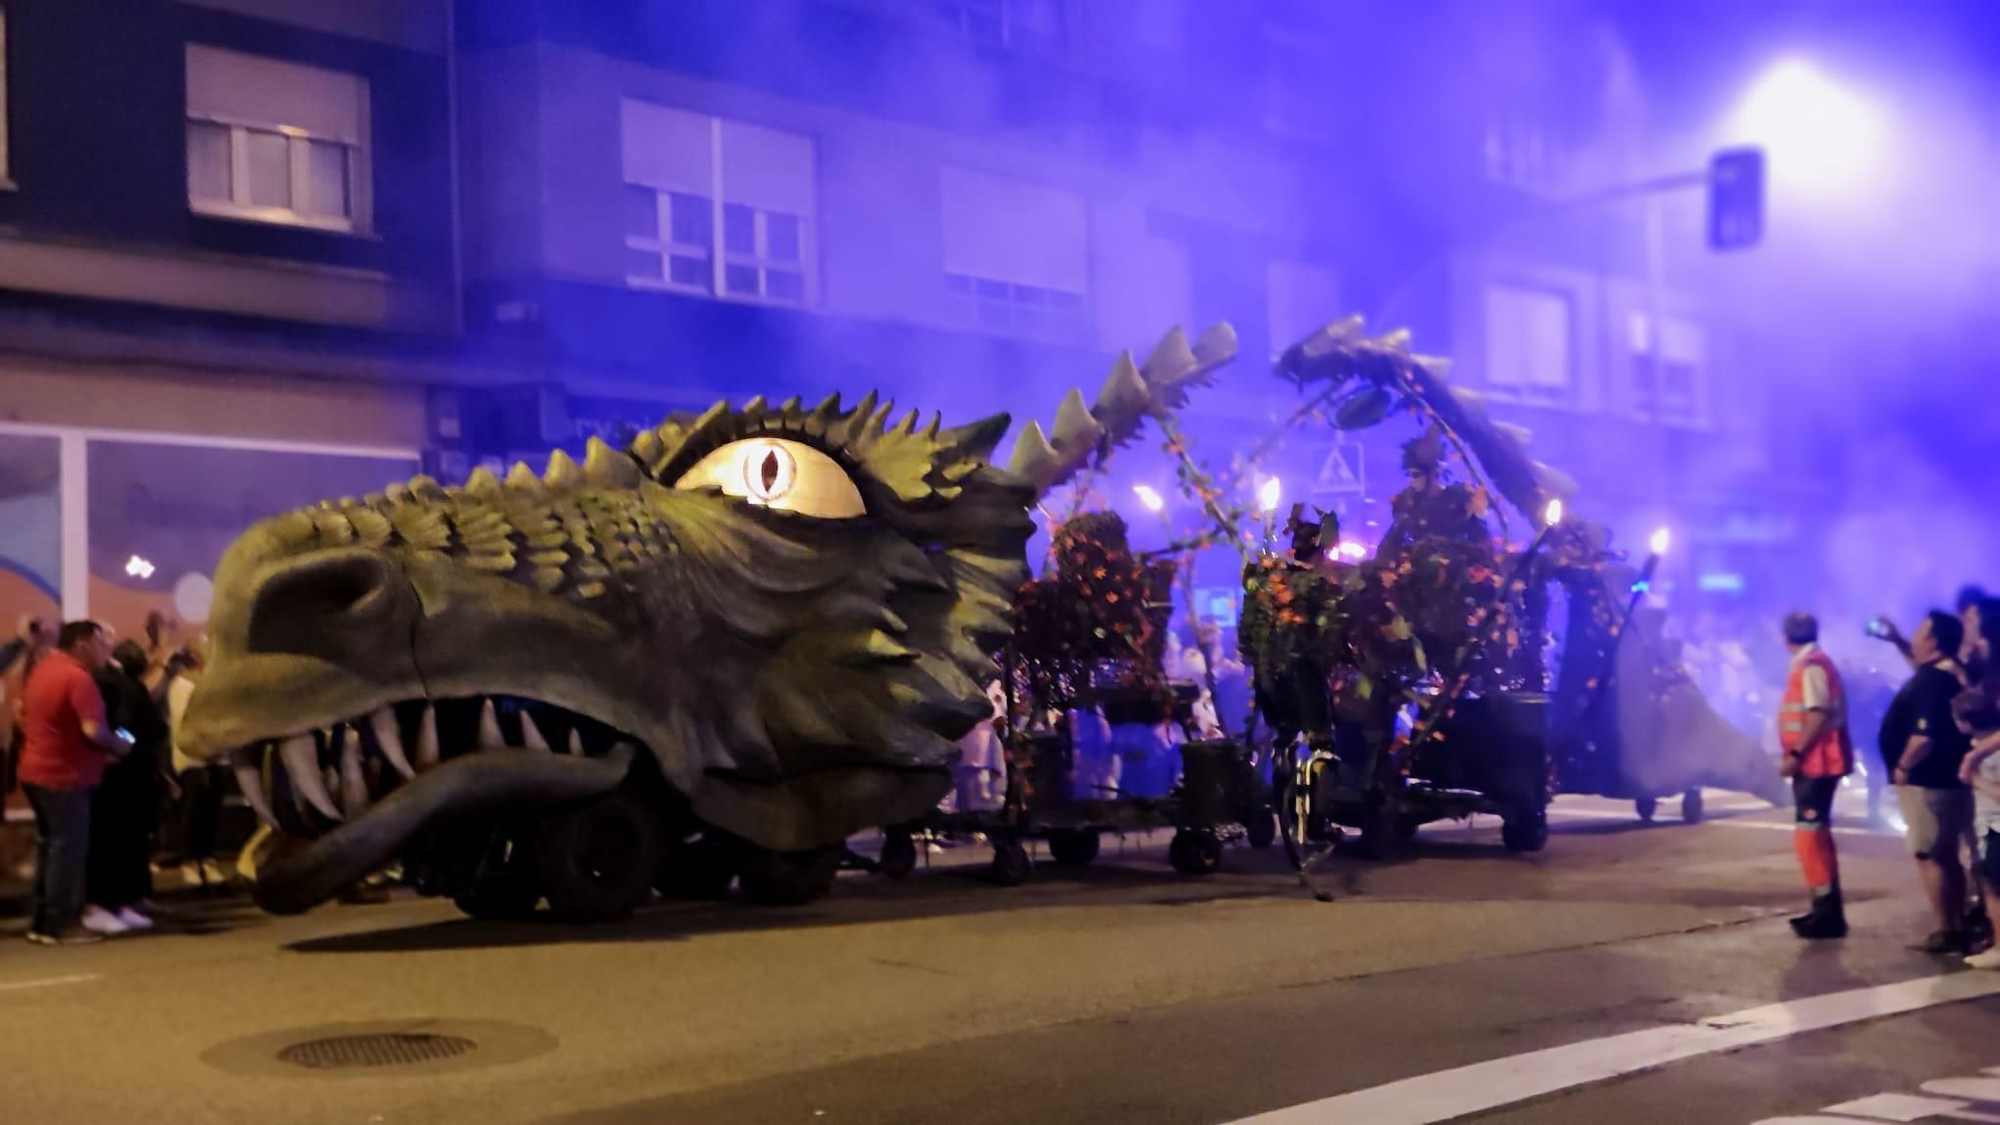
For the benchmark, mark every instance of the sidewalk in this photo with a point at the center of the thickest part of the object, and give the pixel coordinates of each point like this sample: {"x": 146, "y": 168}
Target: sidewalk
{"x": 17, "y": 845}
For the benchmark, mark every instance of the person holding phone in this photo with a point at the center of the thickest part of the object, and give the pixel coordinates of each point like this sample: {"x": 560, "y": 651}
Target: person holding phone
{"x": 68, "y": 742}
{"x": 125, "y": 807}
{"x": 1921, "y": 741}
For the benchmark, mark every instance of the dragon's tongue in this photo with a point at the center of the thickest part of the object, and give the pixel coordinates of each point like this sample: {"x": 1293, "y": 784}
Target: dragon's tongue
{"x": 480, "y": 783}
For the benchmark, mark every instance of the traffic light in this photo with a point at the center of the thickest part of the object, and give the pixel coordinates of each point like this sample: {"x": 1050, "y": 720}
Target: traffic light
{"x": 1736, "y": 198}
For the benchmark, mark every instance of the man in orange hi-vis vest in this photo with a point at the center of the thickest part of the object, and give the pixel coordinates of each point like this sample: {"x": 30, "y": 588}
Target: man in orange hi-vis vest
{"x": 1812, "y": 729}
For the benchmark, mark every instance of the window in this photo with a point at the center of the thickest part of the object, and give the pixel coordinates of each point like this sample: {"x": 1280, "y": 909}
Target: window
{"x": 276, "y": 141}
{"x": 1681, "y": 385}
{"x": 1033, "y": 27}
{"x": 1528, "y": 344}
{"x": 1016, "y": 256}
{"x": 716, "y": 207}
{"x": 1519, "y": 152}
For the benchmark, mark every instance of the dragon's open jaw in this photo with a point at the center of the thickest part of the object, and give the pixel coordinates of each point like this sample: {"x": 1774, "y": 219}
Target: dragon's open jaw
{"x": 361, "y": 790}
{"x": 307, "y": 783}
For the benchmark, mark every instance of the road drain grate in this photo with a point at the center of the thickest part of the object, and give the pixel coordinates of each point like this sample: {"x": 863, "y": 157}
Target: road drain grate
{"x": 343, "y": 1052}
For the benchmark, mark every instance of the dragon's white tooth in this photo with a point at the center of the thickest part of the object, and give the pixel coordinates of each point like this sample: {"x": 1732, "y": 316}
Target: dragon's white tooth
{"x": 353, "y": 782}
{"x": 301, "y": 758}
{"x": 489, "y": 727}
{"x": 427, "y": 739}
{"x": 243, "y": 762}
{"x": 531, "y": 735}
{"x": 390, "y": 738}
{"x": 576, "y": 742}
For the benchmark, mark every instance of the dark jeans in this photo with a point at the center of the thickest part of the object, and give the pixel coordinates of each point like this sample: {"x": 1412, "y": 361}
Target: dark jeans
{"x": 62, "y": 850}
{"x": 198, "y": 814}
{"x": 123, "y": 812}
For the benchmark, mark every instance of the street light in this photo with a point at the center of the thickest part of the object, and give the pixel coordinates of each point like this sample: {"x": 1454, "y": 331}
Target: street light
{"x": 1826, "y": 140}
{"x": 1153, "y": 501}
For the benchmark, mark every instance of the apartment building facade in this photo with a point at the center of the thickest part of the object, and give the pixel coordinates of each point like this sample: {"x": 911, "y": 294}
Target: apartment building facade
{"x": 302, "y": 247}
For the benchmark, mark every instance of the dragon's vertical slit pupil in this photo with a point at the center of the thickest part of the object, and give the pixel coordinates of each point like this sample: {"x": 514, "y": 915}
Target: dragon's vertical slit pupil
{"x": 768, "y": 470}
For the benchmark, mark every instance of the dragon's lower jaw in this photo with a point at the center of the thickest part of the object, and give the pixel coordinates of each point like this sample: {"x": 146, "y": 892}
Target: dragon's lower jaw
{"x": 355, "y": 796}
{"x": 487, "y": 782}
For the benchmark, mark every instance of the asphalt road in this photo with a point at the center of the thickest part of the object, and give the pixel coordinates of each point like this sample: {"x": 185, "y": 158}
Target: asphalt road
{"x": 1117, "y": 993}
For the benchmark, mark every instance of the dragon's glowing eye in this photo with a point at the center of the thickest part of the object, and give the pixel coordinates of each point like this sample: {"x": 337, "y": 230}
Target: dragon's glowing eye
{"x": 789, "y": 476}
{"x": 769, "y": 473}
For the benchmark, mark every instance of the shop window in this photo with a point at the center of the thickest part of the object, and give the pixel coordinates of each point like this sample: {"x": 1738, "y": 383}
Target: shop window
{"x": 161, "y": 515}
{"x": 1528, "y": 354}
{"x": 1016, "y": 256}
{"x": 276, "y": 141}
{"x": 717, "y": 207}
{"x": 30, "y": 555}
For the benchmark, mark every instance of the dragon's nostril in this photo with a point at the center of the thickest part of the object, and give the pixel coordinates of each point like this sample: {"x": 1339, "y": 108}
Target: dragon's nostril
{"x": 309, "y": 595}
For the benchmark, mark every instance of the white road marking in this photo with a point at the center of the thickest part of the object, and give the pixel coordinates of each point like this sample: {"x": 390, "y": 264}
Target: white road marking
{"x": 11, "y": 986}
{"x": 1453, "y": 1093}
{"x": 1894, "y": 1107}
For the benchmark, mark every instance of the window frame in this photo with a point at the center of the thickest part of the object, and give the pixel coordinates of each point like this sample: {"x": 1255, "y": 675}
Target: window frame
{"x": 1648, "y": 404}
{"x": 717, "y": 252}
{"x": 1563, "y": 396}
{"x": 359, "y": 219}
{"x": 298, "y": 176}
{"x": 1064, "y": 314}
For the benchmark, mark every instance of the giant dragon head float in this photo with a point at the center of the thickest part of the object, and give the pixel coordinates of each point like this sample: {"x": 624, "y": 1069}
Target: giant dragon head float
{"x": 784, "y": 615}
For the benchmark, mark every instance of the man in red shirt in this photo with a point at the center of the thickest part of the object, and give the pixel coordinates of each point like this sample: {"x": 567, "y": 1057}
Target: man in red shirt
{"x": 66, "y": 745}
{"x": 1812, "y": 729}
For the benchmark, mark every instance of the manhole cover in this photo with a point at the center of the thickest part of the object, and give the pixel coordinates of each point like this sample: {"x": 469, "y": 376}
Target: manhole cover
{"x": 347, "y": 1051}
{"x": 405, "y": 1048}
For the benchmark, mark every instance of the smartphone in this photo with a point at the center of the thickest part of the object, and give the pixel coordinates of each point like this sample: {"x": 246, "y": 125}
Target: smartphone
{"x": 1877, "y": 627}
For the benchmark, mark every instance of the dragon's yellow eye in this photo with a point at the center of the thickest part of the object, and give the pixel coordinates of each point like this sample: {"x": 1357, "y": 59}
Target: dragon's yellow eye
{"x": 789, "y": 476}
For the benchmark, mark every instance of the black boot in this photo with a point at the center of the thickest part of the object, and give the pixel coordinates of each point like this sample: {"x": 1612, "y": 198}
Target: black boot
{"x": 1826, "y": 919}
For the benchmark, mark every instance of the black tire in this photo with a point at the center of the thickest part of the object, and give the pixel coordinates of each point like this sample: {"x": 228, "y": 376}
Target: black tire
{"x": 699, "y": 870}
{"x": 1403, "y": 829}
{"x": 899, "y": 854}
{"x": 788, "y": 878}
{"x": 597, "y": 861}
{"x": 1376, "y": 834}
{"x": 1074, "y": 847}
{"x": 1647, "y": 807}
{"x": 1195, "y": 852}
{"x": 1525, "y": 831}
{"x": 501, "y": 900}
{"x": 1261, "y": 829}
{"x": 1010, "y": 866}
{"x": 1691, "y": 807}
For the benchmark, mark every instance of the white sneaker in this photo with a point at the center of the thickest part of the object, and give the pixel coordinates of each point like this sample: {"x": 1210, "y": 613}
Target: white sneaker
{"x": 133, "y": 920}
{"x": 98, "y": 920}
{"x": 1987, "y": 960}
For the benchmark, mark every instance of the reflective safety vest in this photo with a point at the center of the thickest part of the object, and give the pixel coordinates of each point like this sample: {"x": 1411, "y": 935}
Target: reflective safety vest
{"x": 1831, "y": 754}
